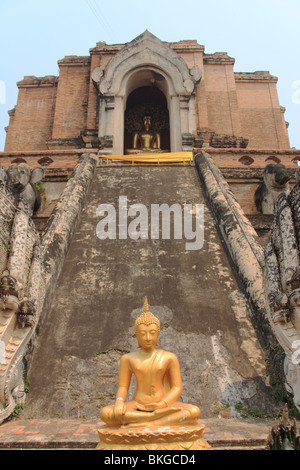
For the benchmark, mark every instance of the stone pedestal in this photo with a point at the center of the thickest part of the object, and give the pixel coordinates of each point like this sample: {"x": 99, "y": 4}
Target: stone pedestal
{"x": 188, "y": 437}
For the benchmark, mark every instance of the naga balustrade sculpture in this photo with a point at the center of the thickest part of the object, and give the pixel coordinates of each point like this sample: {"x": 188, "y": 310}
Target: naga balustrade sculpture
{"x": 21, "y": 278}
{"x": 282, "y": 283}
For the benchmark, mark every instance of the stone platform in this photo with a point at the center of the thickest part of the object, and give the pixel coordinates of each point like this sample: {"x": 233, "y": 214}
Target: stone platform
{"x": 221, "y": 434}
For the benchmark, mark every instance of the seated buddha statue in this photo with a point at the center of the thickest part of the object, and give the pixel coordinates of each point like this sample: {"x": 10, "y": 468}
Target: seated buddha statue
{"x": 158, "y": 383}
{"x": 146, "y": 141}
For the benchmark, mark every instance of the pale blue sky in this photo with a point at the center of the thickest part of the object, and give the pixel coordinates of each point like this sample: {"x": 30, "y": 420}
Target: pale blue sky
{"x": 259, "y": 34}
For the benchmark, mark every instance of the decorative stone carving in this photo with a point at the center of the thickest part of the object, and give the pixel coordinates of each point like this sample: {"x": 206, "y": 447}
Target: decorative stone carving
{"x": 189, "y": 85}
{"x": 282, "y": 284}
{"x": 284, "y": 435}
{"x": 20, "y": 180}
{"x": 90, "y": 138}
{"x": 9, "y": 292}
{"x": 149, "y": 47}
{"x": 27, "y": 313}
{"x": 192, "y": 141}
{"x": 97, "y": 74}
{"x": 228, "y": 141}
{"x": 212, "y": 139}
{"x": 146, "y": 61}
{"x": 276, "y": 181}
{"x": 106, "y": 141}
{"x": 196, "y": 73}
{"x": 21, "y": 278}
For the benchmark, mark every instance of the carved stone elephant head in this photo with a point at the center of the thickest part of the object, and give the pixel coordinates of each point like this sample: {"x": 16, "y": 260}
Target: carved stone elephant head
{"x": 276, "y": 181}
{"x": 21, "y": 179}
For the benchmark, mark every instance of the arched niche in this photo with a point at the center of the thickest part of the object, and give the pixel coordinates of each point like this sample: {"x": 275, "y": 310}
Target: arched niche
{"x": 146, "y": 61}
{"x": 147, "y": 100}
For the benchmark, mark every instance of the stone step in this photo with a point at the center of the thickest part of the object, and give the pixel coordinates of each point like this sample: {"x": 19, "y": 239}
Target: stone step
{"x": 233, "y": 445}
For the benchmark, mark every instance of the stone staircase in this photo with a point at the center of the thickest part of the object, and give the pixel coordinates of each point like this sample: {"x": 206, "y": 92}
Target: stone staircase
{"x": 204, "y": 314}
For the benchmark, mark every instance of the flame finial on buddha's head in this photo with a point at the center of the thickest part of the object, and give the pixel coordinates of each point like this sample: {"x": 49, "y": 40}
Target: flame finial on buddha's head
{"x": 146, "y": 318}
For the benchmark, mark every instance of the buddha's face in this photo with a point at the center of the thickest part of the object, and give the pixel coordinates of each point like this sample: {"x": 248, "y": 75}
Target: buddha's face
{"x": 147, "y": 336}
{"x": 147, "y": 122}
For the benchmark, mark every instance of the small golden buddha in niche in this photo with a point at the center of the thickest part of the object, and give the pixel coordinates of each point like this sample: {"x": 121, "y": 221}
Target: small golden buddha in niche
{"x": 158, "y": 383}
{"x": 146, "y": 141}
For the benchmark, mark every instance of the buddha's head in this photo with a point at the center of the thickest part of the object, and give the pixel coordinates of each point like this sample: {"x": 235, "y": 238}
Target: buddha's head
{"x": 147, "y": 328}
{"x": 147, "y": 122}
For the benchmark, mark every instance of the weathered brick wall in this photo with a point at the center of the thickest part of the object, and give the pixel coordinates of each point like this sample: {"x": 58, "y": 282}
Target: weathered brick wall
{"x": 31, "y": 121}
{"x": 72, "y": 97}
{"x": 262, "y": 118}
{"x": 52, "y": 112}
{"x": 222, "y": 111}
{"x": 241, "y": 104}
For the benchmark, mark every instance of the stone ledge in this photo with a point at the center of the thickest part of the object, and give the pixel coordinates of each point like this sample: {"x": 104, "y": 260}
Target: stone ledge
{"x": 50, "y": 433}
{"x": 218, "y": 58}
{"x": 32, "y": 81}
{"x": 258, "y": 75}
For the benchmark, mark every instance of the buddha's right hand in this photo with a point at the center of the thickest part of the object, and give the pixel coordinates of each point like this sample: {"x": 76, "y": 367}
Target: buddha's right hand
{"x": 119, "y": 409}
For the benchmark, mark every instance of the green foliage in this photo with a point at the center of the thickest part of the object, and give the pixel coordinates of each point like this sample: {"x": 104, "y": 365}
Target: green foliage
{"x": 26, "y": 385}
{"x": 254, "y": 412}
{"x": 280, "y": 393}
{"x": 40, "y": 186}
{"x": 17, "y": 411}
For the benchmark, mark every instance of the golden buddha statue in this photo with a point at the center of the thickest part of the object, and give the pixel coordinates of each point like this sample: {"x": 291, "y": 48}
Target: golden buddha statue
{"x": 158, "y": 380}
{"x": 146, "y": 141}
